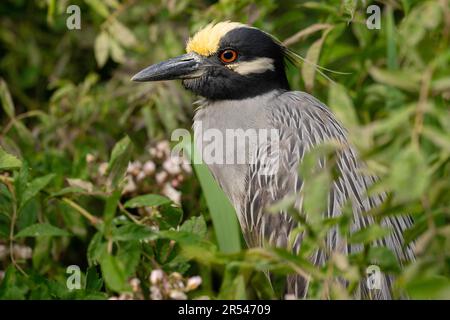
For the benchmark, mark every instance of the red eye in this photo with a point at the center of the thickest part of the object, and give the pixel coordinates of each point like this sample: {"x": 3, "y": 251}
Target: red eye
{"x": 228, "y": 56}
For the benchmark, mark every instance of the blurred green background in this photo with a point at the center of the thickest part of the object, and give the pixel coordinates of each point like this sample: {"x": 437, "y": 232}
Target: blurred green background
{"x": 71, "y": 121}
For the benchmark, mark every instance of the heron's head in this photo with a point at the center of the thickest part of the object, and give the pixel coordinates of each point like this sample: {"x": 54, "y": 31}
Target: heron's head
{"x": 227, "y": 60}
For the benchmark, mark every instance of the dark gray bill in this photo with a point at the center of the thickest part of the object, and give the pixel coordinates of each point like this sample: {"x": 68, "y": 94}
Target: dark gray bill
{"x": 182, "y": 67}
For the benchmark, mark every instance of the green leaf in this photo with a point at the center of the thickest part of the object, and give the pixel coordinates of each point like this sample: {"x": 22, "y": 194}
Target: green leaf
{"x": 110, "y": 209}
{"x": 93, "y": 280}
{"x": 431, "y": 287}
{"x": 349, "y": 7}
{"x": 369, "y": 234}
{"x": 314, "y": 5}
{"x": 148, "y": 200}
{"x": 96, "y": 249}
{"x": 117, "y": 52}
{"x": 120, "y": 156}
{"x": 35, "y": 186}
{"x": 224, "y": 218}
{"x": 8, "y": 161}
{"x": 417, "y": 24}
{"x": 439, "y": 138}
{"x": 28, "y": 214}
{"x": 42, "y": 246}
{"x": 441, "y": 84}
{"x": 384, "y": 258}
{"x": 51, "y": 12}
{"x": 42, "y": 229}
{"x": 122, "y": 34}
{"x": 132, "y": 231}
{"x": 13, "y": 286}
{"x": 170, "y": 217}
{"x": 151, "y": 124}
{"x": 393, "y": 121}
{"x": 128, "y": 255}
{"x": 315, "y": 192}
{"x": 191, "y": 233}
{"x": 406, "y": 4}
{"x": 408, "y": 175}
{"x": 24, "y": 133}
{"x": 101, "y": 48}
{"x": 312, "y": 56}
{"x": 6, "y": 100}
{"x": 342, "y": 105}
{"x": 182, "y": 237}
{"x": 195, "y": 225}
{"x": 391, "y": 39}
{"x": 361, "y": 32}
{"x": 233, "y": 285}
{"x": 317, "y": 181}
{"x": 99, "y": 7}
{"x": 113, "y": 273}
{"x": 402, "y": 79}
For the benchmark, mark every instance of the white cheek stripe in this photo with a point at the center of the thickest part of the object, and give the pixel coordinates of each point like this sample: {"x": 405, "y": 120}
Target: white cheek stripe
{"x": 258, "y": 65}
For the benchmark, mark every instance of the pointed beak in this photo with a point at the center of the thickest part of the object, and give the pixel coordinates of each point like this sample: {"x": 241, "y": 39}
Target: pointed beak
{"x": 186, "y": 66}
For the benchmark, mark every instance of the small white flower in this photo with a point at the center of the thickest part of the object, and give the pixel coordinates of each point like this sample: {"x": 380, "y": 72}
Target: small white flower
{"x": 156, "y": 276}
{"x": 22, "y": 252}
{"x": 185, "y": 165}
{"x": 193, "y": 283}
{"x": 135, "y": 284}
{"x": 102, "y": 168}
{"x": 161, "y": 177}
{"x": 90, "y": 158}
{"x": 176, "y": 275}
{"x": 172, "y": 193}
{"x": 134, "y": 167}
{"x": 141, "y": 176}
{"x": 130, "y": 186}
{"x": 171, "y": 166}
{"x": 178, "y": 285}
{"x": 3, "y": 251}
{"x": 177, "y": 295}
{"x": 175, "y": 183}
{"x": 149, "y": 167}
{"x": 155, "y": 293}
{"x": 152, "y": 152}
{"x": 126, "y": 296}
{"x": 163, "y": 146}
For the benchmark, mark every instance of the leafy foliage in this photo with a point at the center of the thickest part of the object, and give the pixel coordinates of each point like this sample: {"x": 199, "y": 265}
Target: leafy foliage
{"x": 71, "y": 121}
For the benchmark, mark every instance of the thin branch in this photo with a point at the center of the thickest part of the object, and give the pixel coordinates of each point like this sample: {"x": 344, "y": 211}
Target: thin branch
{"x": 8, "y": 183}
{"x": 128, "y": 214}
{"x": 421, "y": 106}
{"x": 29, "y": 114}
{"x": 92, "y": 219}
{"x": 305, "y": 33}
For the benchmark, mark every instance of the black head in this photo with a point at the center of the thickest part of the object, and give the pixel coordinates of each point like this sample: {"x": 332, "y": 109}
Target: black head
{"x": 225, "y": 61}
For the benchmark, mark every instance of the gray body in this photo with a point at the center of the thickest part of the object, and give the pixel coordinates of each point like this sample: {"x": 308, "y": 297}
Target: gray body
{"x": 302, "y": 122}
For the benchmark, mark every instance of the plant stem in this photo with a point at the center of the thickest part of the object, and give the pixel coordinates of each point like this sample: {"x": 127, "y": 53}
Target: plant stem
{"x": 92, "y": 219}
{"x": 128, "y": 214}
{"x": 10, "y": 187}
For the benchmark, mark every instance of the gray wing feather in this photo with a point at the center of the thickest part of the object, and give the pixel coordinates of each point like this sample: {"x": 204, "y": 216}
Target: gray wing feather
{"x": 303, "y": 122}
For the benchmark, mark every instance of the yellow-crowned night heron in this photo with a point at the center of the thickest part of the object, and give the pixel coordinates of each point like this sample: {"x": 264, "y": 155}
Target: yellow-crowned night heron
{"x": 240, "y": 73}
